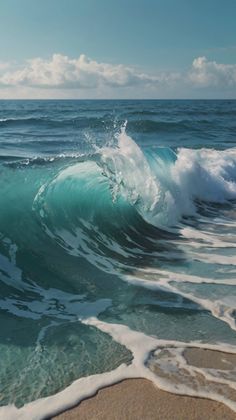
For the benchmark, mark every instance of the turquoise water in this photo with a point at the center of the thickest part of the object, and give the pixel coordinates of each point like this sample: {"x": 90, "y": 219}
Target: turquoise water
{"x": 99, "y": 198}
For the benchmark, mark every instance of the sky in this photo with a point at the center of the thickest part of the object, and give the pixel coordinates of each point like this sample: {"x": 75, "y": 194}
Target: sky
{"x": 117, "y": 49}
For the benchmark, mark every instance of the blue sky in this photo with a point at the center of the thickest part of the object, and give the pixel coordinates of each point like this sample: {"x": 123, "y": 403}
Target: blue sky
{"x": 125, "y": 48}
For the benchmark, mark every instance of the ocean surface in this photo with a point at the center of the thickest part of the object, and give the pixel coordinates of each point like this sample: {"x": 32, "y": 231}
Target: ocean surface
{"x": 117, "y": 226}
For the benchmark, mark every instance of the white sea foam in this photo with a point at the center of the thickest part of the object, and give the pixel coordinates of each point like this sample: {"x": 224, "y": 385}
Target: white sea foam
{"x": 163, "y": 193}
{"x": 201, "y": 239}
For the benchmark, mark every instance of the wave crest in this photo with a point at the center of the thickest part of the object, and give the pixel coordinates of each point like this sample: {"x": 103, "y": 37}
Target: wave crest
{"x": 113, "y": 207}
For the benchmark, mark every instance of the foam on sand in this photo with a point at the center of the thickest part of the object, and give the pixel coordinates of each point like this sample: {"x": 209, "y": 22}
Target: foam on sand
{"x": 167, "y": 368}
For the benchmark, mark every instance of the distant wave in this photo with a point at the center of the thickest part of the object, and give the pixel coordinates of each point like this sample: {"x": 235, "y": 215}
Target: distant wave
{"x": 81, "y": 122}
{"x": 139, "y": 125}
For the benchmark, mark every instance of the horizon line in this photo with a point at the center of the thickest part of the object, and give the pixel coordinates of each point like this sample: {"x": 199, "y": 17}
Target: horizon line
{"x": 117, "y": 99}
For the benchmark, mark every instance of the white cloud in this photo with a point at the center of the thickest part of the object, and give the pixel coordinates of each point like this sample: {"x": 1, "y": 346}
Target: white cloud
{"x": 209, "y": 73}
{"x": 63, "y": 72}
{"x": 63, "y": 77}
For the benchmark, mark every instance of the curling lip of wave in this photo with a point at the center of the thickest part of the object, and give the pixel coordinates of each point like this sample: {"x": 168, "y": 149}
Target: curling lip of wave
{"x": 163, "y": 186}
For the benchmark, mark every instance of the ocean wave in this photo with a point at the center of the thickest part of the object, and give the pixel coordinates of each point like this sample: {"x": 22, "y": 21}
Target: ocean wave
{"x": 81, "y": 122}
{"x": 178, "y": 126}
{"x": 112, "y": 207}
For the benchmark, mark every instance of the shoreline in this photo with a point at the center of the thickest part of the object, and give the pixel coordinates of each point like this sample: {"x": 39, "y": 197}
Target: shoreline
{"x": 163, "y": 381}
{"x": 140, "y": 399}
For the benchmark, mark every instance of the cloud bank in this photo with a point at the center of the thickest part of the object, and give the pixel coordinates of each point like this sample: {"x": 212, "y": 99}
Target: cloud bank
{"x": 61, "y": 73}
{"x": 83, "y": 73}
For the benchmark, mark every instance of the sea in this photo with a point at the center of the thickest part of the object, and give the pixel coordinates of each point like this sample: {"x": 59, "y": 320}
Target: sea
{"x": 117, "y": 248}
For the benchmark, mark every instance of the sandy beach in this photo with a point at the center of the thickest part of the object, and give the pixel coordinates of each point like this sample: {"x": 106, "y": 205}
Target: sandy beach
{"x": 139, "y": 399}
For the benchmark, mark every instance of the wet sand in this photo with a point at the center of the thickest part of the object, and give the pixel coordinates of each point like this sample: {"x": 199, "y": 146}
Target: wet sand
{"x": 210, "y": 359}
{"x": 139, "y": 399}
